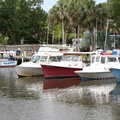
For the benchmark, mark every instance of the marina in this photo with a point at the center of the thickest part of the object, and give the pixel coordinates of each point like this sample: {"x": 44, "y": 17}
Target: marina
{"x": 61, "y": 64}
{"x": 26, "y": 99}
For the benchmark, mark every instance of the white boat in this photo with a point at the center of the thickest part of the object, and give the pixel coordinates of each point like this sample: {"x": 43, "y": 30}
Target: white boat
{"x": 70, "y": 62}
{"x": 6, "y": 59}
{"x": 99, "y": 67}
{"x": 33, "y": 67}
{"x": 7, "y": 63}
{"x": 45, "y": 54}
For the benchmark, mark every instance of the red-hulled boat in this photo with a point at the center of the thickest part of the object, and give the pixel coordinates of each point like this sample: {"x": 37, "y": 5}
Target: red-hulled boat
{"x": 69, "y": 63}
{"x": 52, "y": 71}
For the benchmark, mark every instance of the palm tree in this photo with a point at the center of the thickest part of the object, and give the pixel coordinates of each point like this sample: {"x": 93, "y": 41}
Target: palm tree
{"x": 75, "y": 13}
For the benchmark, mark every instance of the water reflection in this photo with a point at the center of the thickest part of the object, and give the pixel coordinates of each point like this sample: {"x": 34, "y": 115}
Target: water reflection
{"x": 7, "y": 73}
{"x": 116, "y": 90}
{"x": 60, "y": 83}
{"x": 18, "y": 88}
{"x": 32, "y": 87}
{"x": 88, "y": 93}
{"x": 85, "y": 100}
{"x": 72, "y": 89}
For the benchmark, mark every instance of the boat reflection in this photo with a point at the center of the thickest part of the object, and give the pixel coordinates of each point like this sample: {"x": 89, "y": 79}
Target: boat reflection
{"x": 86, "y": 93}
{"x": 60, "y": 82}
{"x": 116, "y": 90}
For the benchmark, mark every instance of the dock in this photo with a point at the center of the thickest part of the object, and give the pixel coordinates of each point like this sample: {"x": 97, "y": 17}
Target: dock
{"x": 26, "y": 51}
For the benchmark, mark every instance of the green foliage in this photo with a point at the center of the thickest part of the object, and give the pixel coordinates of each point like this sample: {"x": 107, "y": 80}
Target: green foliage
{"x": 114, "y": 8}
{"x": 78, "y": 16}
{"x": 26, "y": 20}
{"x": 22, "y": 19}
{"x": 1, "y": 38}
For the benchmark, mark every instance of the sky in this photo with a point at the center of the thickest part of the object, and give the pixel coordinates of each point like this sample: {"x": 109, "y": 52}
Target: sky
{"x": 48, "y": 4}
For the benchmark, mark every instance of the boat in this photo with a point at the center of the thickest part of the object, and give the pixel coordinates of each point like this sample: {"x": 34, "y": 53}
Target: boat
{"x": 116, "y": 71}
{"x": 46, "y": 53}
{"x": 7, "y": 63}
{"x": 32, "y": 67}
{"x": 7, "y": 60}
{"x": 99, "y": 67}
{"x": 70, "y": 62}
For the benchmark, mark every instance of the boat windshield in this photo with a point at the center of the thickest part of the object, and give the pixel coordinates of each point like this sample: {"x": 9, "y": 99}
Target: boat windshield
{"x": 35, "y": 59}
{"x": 43, "y": 58}
{"x": 112, "y": 59}
{"x": 70, "y": 58}
{"x": 52, "y": 59}
{"x": 95, "y": 59}
{"x": 76, "y": 58}
{"x": 66, "y": 58}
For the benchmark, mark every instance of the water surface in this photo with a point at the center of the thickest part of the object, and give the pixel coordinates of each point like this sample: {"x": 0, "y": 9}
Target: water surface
{"x": 26, "y": 99}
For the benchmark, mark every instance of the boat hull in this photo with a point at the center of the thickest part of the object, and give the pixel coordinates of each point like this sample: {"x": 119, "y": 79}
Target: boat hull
{"x": 28, "y": 71}
{"x": 59, "y": 71}
{"x": 8, "y": 64}
{"x": 116, "y": 72}
{"x": 95, "y": 75}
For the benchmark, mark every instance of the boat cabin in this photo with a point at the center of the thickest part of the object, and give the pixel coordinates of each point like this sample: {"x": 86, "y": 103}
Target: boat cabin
{"x": 77, "y": 58}
{"x": 46, "y": 57}
{"x": 104, "y": 59}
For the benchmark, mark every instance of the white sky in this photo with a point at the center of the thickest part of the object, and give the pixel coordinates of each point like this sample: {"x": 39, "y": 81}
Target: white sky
{"x": 48, "y": 4}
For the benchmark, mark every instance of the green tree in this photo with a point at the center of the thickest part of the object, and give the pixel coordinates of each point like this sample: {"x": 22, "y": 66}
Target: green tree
{"x": 19, "y": 19}
{"x": 114, "y": 8}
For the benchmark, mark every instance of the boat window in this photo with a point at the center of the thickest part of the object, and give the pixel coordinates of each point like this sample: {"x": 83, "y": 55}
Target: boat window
{"x": 75, "y": 58}
{"x": 97, "y": 59}
{"x": 35, "y": 59}
{"x": 43, "y": 58}
{"x": 119, "y": 59}
{"x": 66, "y": 58}
{"x": 102, "y": 60}
{"x": 59, "y": 58}
{"x": 52, "y": 59}
{"x": 92, "y": 59}
{"x": 112, "y": 59}
{"x": 69, "y": 58}
{"x": 63, "y": 58}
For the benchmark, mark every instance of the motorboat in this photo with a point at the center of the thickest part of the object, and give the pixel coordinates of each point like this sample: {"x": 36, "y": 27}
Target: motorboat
{"x": 32, "y": 67}
{"x": 7, "y": 63}
{"x": 116, "y": 71}
{"x": 70, "y": 62}
{"x": 46, "y": 53}
{"x": 99, "y": 67}
{"x": 7, "y": 60}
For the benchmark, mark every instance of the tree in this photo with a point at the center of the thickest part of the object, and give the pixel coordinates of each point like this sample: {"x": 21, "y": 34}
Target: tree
{"x": 114, "y": 8}
{"x": 19, "y": 19}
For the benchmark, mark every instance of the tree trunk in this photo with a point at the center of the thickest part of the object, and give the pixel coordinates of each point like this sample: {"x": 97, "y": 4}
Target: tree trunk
{"x": 92, "y": 41}
{"x": 78, "y": 34}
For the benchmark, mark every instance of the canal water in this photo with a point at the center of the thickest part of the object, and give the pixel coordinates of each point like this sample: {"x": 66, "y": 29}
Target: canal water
{"x": 28, "y": 99}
